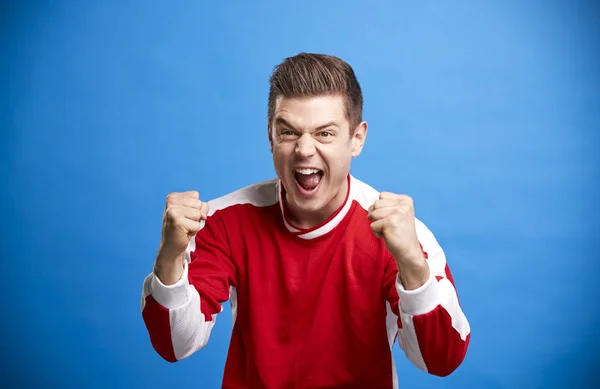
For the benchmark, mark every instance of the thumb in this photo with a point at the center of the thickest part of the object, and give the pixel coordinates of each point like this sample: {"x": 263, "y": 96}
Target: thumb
{"x": 204, "y": 210}
{"x": 378, "y": 228}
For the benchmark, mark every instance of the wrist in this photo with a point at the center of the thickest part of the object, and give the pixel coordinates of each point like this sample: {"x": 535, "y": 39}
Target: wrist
{"x": 167, "y": 256}
{"x": 411, "y": 257}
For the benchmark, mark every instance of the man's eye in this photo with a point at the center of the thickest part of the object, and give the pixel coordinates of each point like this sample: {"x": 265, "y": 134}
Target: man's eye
{"x": 326, "y": 134}
{"x": 287, "y": 132}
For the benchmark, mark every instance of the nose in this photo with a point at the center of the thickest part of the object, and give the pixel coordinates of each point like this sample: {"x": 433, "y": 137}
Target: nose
{"x": 305, "y": 146}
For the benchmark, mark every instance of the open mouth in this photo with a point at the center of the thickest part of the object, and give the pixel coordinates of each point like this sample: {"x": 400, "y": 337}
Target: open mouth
{"x": 308, "y": 180}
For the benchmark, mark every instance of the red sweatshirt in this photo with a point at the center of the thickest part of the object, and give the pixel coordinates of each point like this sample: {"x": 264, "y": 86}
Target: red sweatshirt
{"x": 316, "y": 308}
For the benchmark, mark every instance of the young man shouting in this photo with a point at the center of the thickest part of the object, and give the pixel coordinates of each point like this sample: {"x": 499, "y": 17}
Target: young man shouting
{"x": 323, "y": 272}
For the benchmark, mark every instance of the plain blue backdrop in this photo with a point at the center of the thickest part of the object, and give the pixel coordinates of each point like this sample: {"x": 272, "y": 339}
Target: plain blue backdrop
{"x": 486, "y": 112}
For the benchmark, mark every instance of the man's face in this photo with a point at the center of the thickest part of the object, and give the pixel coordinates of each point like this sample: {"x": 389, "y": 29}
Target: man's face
{"x": 312, "y": 150}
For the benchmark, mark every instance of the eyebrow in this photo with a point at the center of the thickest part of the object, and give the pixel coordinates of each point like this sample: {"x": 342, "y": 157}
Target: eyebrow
{"x": 282, "y": 121}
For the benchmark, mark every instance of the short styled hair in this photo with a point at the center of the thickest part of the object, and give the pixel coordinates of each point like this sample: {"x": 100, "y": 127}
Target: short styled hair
{"x": 311, "y": 75}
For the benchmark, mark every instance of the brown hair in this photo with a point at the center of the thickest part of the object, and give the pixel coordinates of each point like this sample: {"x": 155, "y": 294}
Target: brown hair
{"x": 307, "y": 75}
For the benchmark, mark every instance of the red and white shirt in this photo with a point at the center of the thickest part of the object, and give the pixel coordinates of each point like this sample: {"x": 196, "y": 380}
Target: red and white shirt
{"x": 312, "y": 308}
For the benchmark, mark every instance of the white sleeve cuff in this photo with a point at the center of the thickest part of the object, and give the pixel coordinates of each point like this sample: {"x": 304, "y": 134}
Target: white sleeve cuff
{"x": 421, "y": 300}
{"x": 171, "y": 296}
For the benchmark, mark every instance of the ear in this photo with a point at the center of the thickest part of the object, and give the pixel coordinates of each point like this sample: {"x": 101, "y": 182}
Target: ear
{"x": 270, "y": 138}
{"x": 358, "y": 138}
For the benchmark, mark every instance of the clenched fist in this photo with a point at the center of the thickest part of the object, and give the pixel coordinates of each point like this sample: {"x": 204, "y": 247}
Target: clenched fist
{"x": 393, "y": 219}
{"x": 181, "y": 221}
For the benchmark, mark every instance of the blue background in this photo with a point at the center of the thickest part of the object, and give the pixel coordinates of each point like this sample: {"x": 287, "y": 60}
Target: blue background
{"x": 487, "y": 113}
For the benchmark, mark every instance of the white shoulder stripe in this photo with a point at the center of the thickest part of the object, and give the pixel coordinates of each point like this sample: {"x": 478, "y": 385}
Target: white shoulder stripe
{"x": 363, "y": 193}
{"x": 263, "y": 194}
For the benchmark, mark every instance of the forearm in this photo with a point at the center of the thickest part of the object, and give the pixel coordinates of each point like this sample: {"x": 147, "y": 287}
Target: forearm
{"x": 433, "y": 329}
{"x": 435, "y": 332}
{"x": 413, "y": 273}
{"x": 185, "y": 292}
{"x": 172, "y": 315}
{"x": 169, "y": 267}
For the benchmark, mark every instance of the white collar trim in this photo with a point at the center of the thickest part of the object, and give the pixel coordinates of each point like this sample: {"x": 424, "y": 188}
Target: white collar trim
{"x": 327, "y": 227}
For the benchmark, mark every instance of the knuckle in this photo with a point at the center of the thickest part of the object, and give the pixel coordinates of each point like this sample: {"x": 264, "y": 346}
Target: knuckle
{"x": 171, "y": 214}
{"x": 170, "y": 197}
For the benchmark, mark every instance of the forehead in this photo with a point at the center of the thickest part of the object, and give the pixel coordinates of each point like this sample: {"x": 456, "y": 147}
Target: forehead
{"x": 311, "y": 112}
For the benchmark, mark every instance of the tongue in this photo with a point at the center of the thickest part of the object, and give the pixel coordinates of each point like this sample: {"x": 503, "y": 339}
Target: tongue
{"x": 308, "y": 181}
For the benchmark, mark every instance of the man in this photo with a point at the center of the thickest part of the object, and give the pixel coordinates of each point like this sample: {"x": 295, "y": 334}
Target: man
{"x": 323, "y": 272}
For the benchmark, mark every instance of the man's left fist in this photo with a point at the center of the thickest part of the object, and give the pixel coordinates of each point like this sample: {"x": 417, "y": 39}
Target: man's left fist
{"x": 393, "y": 219}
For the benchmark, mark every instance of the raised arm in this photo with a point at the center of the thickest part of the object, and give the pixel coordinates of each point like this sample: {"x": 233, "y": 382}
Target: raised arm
{"x": 192, "y": 278}
{"x": 432, "y": 328}
{"x": 433, "y": 331}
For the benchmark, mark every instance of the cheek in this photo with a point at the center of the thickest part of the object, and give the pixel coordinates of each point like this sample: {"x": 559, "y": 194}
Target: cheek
{"x": 280, "y": 157}
{"x": 337, "y": 160}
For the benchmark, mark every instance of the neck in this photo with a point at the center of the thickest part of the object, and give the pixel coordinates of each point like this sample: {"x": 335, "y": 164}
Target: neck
{"x": 306, "y": 220}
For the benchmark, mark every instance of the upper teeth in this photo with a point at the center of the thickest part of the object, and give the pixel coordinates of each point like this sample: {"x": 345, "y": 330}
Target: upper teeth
{"x": 307, "y": 171}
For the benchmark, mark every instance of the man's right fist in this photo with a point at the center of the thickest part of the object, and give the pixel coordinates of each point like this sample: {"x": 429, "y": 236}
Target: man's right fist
{"x": 181, "y": 222}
